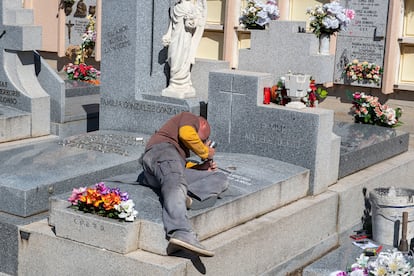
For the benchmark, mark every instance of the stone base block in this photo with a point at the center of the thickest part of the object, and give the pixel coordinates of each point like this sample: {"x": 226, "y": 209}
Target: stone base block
{"x": 14, "y": 124}
{"x": 101, "y": 232}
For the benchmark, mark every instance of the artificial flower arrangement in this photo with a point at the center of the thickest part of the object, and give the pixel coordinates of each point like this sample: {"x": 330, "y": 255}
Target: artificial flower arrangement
{"x": 386, "y": 263}
{"x": 104, "y": 201}
{"x": 363, "y": 71}
{"x": 368, "y": 110}
{"x": 329, "y": 18}
{"x": 81, "y": 72}
{"x": 314, "y": 95}
{"x": 259, "y": 14}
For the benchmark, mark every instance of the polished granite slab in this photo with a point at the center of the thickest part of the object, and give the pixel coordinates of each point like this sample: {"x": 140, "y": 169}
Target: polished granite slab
{"x": 365, "y": 145}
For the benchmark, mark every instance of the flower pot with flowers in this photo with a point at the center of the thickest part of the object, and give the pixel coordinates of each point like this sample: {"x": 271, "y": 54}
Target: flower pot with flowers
{"x": 328, "y": 19}
{"x": 256, "y": 14}
{"x": 368, "y": 110}
{"x": 363, "y": 72}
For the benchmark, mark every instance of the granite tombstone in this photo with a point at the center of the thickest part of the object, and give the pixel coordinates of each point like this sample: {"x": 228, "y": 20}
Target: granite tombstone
{"x": 243, "y": 124}
{"x": 19, "y": 87}
{"x": 363, "y": 40}
{"x": 134, "y": 68}
{"x": 282, "y": 48}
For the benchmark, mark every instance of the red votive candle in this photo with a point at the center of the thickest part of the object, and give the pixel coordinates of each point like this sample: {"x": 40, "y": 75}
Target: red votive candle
{"x": 266, "y": 95}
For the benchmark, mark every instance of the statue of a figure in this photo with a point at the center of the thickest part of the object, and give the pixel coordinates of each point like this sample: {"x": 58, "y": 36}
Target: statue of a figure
{"x": 184, "y": 33}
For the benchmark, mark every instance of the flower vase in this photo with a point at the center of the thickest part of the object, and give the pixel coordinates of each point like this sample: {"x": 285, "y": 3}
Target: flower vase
{"x": 324, "y": 41}
{"x": 255, "y": 27}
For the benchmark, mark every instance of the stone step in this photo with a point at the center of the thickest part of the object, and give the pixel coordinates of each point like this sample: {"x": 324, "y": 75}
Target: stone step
{"x": 253, "y": 180}
{"x": 19, "y": 16}
{"x": 30, "y": 174}
{"x": 271, "y": 244}
{"x": 14, "y": 124}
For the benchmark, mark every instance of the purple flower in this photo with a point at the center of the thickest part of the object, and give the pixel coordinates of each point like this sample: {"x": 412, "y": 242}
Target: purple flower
{"x": 124, "y": 196}
{"x": 102, "y": 189}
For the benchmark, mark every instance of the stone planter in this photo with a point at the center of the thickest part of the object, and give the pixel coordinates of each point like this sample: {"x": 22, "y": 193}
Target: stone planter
{"x": 111, "y": 234}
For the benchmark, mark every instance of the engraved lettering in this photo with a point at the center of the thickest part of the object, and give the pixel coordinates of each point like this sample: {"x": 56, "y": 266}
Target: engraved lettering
{"x": 87, "y": 224}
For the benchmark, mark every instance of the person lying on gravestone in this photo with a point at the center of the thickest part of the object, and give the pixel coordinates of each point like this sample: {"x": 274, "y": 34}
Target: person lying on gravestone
{"x": 181, "y": 182}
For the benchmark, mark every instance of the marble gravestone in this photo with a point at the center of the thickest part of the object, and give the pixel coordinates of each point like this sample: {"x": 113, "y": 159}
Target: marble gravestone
{"x": 134, "y": 69}
{"x": 19, "y": 88}
{"x": 363, "y": 40}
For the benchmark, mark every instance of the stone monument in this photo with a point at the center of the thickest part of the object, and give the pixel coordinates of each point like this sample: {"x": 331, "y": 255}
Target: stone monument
{"x": 22, "y": 100}
{"x": 135, "y": 68}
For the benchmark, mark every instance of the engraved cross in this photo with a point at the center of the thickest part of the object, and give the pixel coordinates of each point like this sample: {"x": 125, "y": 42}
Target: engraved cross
{"x": 231, "y": 93}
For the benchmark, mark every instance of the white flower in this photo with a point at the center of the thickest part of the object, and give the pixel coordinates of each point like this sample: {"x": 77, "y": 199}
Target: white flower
{"x": 126, "y": 209}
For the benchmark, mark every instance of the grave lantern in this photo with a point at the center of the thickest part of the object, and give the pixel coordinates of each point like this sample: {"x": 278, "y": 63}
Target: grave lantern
{"x": 297, "y": 87}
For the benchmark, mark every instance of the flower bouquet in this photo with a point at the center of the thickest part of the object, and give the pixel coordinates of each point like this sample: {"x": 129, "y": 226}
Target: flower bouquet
{"x": 368, "y": 110}
{"x": 103, "y": 201}
{"x": 329, "y": 18}
{"x": 363, "y": 71}
{"x": 81, "y": 72}
{"x": 257, "y": 14}
{"x": 386, "y": 263}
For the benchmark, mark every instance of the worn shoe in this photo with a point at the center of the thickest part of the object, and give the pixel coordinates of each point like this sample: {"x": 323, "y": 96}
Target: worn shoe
{"x": 188, "y": 241}
{"x": 188, "y": 202}
{"x": 194, "y": 204}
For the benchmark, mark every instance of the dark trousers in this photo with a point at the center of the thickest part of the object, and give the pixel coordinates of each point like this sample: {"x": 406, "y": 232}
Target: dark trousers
{"x": 164, "y": 169}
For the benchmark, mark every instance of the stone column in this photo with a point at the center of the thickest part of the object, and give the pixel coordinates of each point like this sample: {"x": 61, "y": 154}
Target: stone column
{"x": 230, "y": 47}
{"x": 392, "y": 47}
{"x": 98, "y": 26}
{"x": 284, "y": 6}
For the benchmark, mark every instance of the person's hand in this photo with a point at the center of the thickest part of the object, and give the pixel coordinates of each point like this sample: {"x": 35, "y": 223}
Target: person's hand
{"x": 212, "y": 166}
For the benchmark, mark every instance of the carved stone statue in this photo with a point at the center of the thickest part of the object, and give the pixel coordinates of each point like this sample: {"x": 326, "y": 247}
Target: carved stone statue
{"x": 187, "y": 21}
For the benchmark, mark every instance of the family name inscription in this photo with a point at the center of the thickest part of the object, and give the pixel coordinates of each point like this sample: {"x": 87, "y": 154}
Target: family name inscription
{"x": 7, "y": 96}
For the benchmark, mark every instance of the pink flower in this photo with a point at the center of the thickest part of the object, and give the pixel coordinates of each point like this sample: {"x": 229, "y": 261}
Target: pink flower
{"x": 76, "y": 194}
{"x": 350, "y": 13}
